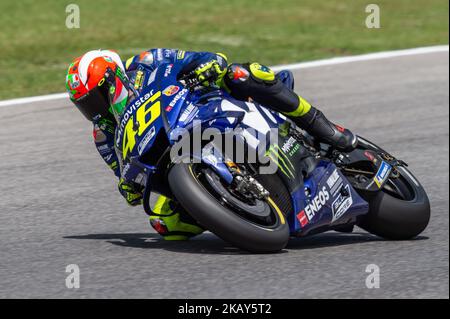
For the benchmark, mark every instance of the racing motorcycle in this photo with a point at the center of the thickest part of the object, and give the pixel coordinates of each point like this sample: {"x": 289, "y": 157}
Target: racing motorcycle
{"x": 313, "y": 189}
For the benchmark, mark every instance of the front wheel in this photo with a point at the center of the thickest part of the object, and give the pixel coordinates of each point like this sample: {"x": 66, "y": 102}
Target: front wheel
{"x": 256, "y": 226}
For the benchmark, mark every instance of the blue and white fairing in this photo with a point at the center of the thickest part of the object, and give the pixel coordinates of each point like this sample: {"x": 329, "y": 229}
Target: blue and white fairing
{"x": 328, "y": 200}
{"x": 324, "y": 199}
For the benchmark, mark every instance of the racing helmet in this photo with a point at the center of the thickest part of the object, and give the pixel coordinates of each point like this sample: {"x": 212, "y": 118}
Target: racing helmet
{"x": 98, "y": 85}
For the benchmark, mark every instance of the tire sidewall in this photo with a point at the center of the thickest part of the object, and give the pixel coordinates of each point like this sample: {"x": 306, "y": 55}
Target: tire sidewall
{"x": 220, "y": 220}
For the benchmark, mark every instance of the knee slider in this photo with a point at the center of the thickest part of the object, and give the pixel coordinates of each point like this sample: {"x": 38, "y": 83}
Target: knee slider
{"x": 243, "y": 72}
{"x": 262, "y": 73}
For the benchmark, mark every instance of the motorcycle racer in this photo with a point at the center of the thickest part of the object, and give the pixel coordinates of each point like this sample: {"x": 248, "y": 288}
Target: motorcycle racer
{"x": 101, "y": 85}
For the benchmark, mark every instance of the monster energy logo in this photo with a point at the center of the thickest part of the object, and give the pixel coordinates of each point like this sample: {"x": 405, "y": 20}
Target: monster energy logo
{"x": 277, "y": 155}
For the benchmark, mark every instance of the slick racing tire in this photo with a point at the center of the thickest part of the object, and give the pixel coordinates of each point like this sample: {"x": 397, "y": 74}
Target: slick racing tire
{"x": 214, "y": 212}
{"x": 400, "y": 211}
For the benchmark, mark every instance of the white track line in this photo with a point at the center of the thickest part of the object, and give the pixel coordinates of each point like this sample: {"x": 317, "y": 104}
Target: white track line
{"x": 33, "y": 99}
{"x": 303, "y": 65}
{"x": 363, "y": 57}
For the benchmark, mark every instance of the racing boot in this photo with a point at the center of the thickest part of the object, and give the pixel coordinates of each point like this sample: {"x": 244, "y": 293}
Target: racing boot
{"x": 317, "y": 125}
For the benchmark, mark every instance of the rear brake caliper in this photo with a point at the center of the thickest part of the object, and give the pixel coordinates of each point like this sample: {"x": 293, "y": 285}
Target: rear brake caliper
{"x": 391, "y": 160}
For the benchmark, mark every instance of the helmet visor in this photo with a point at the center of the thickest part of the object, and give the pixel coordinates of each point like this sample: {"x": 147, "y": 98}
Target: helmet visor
{"x": 95, "y": 103}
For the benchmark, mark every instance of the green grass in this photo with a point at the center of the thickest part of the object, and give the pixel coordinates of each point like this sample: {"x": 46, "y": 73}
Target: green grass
{"x": 36, "y": 47}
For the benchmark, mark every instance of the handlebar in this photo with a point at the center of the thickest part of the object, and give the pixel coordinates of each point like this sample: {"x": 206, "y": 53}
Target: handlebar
{"x": 192, "y": 82}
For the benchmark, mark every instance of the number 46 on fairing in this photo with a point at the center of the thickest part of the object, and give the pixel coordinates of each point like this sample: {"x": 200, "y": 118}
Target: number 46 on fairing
{"x": 146, "y": 114}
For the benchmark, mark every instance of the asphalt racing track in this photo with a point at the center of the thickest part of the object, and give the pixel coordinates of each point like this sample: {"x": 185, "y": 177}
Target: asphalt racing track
{"x": 59, "y": 204}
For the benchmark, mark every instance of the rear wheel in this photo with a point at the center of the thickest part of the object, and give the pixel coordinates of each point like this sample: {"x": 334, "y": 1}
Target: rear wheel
{"x": 255, "y": 225}
{"x": 401, "y": 210}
